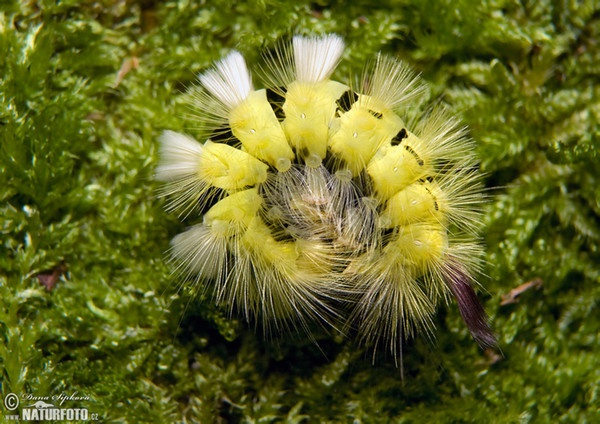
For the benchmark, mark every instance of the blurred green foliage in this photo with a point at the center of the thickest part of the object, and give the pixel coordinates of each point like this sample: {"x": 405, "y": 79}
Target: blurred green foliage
{"x": 86, "y": 87}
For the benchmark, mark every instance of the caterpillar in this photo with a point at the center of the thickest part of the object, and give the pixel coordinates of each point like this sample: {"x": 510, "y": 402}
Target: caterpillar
{"x": 315, "y": 203}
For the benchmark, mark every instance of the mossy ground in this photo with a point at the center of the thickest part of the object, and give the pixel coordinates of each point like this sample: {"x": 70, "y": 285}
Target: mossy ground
{"x": 78, "y": 149}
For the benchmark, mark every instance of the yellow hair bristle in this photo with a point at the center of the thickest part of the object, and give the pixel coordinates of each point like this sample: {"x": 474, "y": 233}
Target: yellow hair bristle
{"x": 321, "y": 204}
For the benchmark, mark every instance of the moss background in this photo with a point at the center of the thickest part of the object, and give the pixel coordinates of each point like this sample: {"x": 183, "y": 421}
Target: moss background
{"x": 78, "y": 207}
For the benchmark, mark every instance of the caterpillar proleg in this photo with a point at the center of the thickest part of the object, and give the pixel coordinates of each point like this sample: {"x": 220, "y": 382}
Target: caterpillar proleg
{"x": 322, "y": 205}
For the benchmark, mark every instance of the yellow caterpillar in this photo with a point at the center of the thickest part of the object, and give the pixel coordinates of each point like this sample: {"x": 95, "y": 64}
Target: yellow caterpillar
{"x": 329, "y": 209}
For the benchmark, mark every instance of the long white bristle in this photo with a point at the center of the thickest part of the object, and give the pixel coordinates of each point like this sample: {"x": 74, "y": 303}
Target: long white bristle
{"x": 200, "y": 251}
{"x": 179, "y": 156}
{"x": 316, "y": 57}
{"x": 229, "y": 81}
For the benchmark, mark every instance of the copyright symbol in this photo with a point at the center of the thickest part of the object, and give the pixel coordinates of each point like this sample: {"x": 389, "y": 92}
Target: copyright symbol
{"x": 11, "y": 401}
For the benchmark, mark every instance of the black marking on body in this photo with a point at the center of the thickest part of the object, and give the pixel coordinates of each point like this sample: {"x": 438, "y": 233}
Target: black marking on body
{"x": 435, "y": 203}
{"x": 410, "y": 150}
{"x": 388, "y": 235}
{"x": 301, "y": 155}
{"x": 222, "y": 135}
{"x": 346, "y": 100}
{"x": 210, "y": 198}
{"x": 364, "y": 183}
{"x": 402, "y": 134}
{"x": 276, "y": 100}
{"x": 376, "y": 114}
{"x": 333, "y": 162}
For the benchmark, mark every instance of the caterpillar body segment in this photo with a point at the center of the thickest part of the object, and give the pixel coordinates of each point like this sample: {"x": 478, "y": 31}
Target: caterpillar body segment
{"x": 192, "y": 169}
{"x": 259, "y": 241}
{"x": 421, "y": 246}
{"x": 323, "y": 205}
{"x": 284, "y": 281}
{"x": 362, "y": 130}
{"x": 233, "y": 214}
{"x": 250, "y": 115}
{"x": 300, "y": 262}
{"x": 398, "y": 164}
{"x": 309, "y": 111}
{"x": 226, "y": 167}
{"x": 421, "y": 201}
{"x": 300, "y": 75}
{"x": 369, "y": 120}
{"x": 254, "y": 123}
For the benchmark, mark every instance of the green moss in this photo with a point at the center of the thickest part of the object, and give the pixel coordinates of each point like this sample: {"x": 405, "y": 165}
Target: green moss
{"x": 77, "y": 153}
